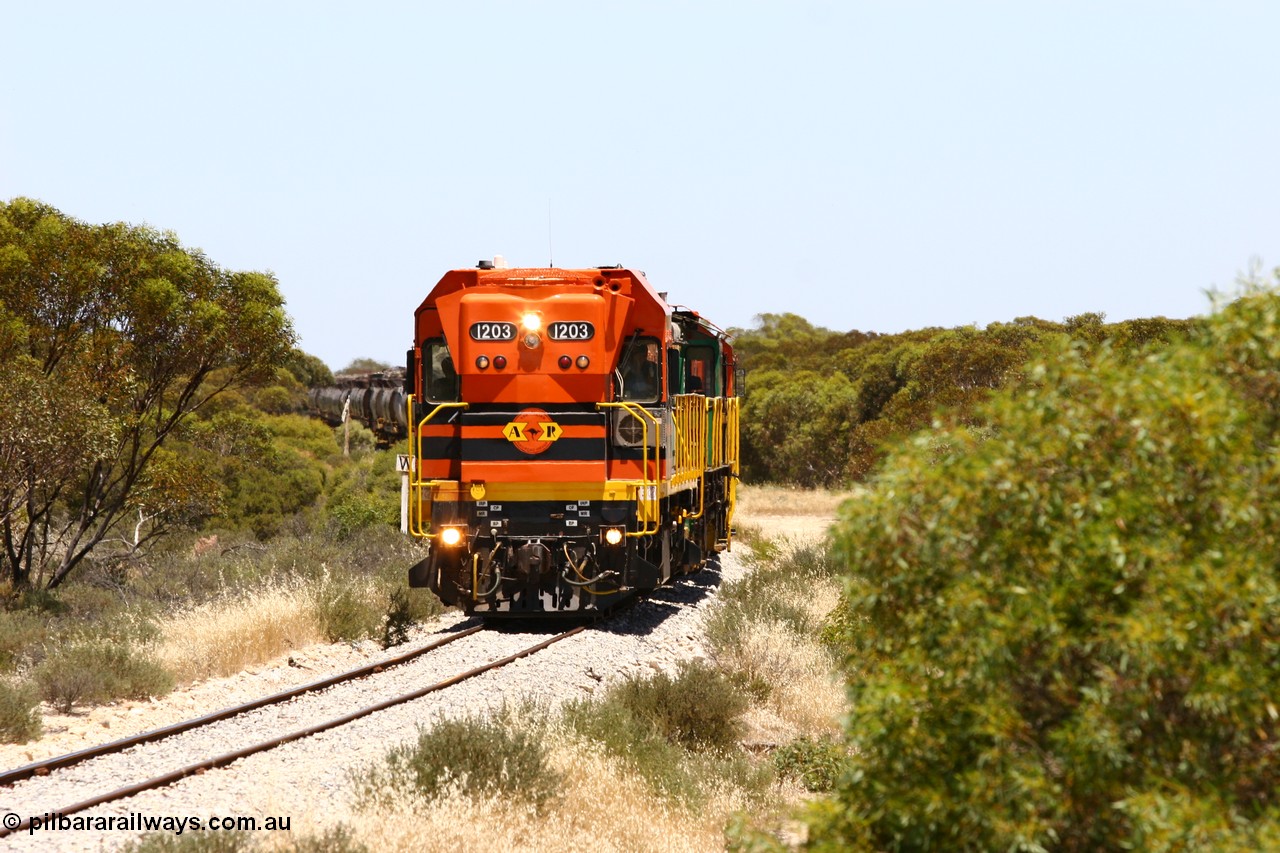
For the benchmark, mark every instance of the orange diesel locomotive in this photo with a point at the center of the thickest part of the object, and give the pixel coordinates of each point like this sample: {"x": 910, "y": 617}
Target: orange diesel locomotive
{"x": 573, "y": 439}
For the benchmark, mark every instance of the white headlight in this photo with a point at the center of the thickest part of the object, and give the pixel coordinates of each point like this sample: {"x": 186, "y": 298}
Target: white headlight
{"x": 450, "y": 536}
{"x": 613, "y": 535}
{"x": 531, "y": 322}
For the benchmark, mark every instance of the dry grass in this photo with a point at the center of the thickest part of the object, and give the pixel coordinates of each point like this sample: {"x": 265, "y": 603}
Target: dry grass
{"x": 239, "y": 631}
{"x": 806, "y": 691}
{"x": 786, "y": 501}
{"x": 804, "y": 514}
{"x": 602, "y": 807}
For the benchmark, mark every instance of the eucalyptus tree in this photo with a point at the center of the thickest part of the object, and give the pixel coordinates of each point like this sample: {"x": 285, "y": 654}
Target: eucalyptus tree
{"x": 111, "y": 336}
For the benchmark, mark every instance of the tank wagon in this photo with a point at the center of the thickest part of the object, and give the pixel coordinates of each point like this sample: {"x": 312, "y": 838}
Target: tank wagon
{"x": 377, "y": 400}
{"x": 573, "y": 439}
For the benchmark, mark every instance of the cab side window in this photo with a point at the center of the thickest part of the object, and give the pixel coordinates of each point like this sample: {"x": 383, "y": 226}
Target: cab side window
{"x": 641, "y": 371}
{"x": 439, "y": 377}
{"x": 674, "y": 372}
{"x": 699, "y": 373}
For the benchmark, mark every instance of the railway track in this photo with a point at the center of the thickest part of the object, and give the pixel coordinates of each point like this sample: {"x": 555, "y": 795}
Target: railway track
{"x": 46, "y": 767}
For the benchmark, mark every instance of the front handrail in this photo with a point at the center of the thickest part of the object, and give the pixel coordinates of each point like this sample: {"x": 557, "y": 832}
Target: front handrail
{"x": 416, "y": 484}
{"x": 647, "y": 489}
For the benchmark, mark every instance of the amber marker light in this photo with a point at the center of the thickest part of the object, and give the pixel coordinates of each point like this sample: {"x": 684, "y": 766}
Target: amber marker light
{"x": 482, "y": 362}
{"x": 583, "y": 361}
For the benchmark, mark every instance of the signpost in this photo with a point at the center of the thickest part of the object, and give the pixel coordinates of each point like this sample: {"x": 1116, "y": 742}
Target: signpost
{"x": 402, "y": 468}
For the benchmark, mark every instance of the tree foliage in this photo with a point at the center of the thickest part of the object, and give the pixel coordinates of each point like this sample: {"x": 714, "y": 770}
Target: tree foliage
{"x": 119, "y": 333}
{"x": 821, "y": 406}
{"x": 1064, "y": 631}
{"x": 308, "y": 369}
{"x": 365, "y": 365}
{"x": 794, "y": 418}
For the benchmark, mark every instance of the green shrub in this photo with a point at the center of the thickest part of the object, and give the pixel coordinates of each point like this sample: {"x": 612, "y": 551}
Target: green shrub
{"x": 678, "y": 733}
{"x": 774, "y": 591}
{"x": 99, "y": 671}
{"x": 477, "y": 756}
{"x": 665, "y": 766}
{"x": 192, "y": 842}
{"x": 21, "y": 631}
{"x": 354, "y": 512}
{"x": 345, "y": 612}
{"x": 742, "y": 834}
{"x": 365, "y": 494}
{"x": 1064, "y": 631}
{"x": 698, "y": 708}
{"x": 753, "y": 685}
{"x": 358, "y": 438}
{"x": 276, "y": 400}
{"x": 336, "y": 839}
{"x": 41, "y": 600}
{"x": 19, "y": 713}
{"x": 399, "y": 618}
{"x": 814, "y": 763}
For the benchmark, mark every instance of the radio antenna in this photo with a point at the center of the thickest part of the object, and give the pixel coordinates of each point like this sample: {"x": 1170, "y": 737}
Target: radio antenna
{"x": 551, "y": 258}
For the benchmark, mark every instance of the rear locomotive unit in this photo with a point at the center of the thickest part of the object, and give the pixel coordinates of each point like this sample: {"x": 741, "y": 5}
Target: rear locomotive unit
{"x": 573, "y": 439}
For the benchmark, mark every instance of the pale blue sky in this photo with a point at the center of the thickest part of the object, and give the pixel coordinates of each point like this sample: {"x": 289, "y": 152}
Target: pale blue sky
{"x": 878, "y": 166}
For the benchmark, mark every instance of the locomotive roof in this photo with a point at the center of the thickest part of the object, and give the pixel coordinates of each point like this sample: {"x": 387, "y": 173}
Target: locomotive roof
{"x": 542, "y": 277}
{"x": 588, "y": 277}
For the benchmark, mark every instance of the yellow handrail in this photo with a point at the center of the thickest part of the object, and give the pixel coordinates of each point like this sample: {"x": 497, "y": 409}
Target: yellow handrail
{"x": 731, "y": 410}
{"x": 646, "y": 489}
{"x": 416, "y": 484}
{"x": 689, "y": 417}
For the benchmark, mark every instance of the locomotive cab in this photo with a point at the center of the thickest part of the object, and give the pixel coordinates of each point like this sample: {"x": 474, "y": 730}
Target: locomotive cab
{"x": 573, "y": 439}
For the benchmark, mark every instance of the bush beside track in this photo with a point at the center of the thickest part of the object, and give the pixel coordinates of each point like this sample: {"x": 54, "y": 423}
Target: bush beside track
{"x": 1064, "y": 633}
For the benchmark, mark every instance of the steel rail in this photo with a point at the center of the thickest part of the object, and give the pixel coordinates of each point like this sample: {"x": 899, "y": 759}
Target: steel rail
{"x": 40, "y": 768}
{"x": 229, "y": 757}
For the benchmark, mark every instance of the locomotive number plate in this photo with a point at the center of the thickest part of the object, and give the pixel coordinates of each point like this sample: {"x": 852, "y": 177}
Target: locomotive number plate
{"x": 493, "y": 331}
{"x": 573, "y": 330}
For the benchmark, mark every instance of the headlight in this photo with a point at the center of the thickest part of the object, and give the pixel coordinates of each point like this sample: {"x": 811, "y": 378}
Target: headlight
{"x": 531, "y": 322}
{"x": 450, "y": 536}
{"x": 613, "y": 535}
